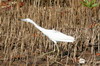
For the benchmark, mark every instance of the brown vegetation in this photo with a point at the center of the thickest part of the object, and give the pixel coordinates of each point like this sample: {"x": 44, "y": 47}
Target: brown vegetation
{"x": 22, "y": 44}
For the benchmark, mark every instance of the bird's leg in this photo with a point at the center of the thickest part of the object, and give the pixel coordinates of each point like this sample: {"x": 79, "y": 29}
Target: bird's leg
{"x": 51, "y": 51}
{"x": 57, "y": 49}
{"x": 55, "y": 45}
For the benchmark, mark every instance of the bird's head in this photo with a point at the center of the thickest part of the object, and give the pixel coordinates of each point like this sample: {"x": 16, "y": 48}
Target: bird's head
{"x": 27, "y": 20}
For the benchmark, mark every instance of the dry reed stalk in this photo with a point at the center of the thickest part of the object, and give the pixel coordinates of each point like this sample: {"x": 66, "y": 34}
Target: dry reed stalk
{"x": 72, "y": 19}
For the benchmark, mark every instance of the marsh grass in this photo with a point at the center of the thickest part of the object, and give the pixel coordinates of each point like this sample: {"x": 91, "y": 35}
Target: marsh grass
{"x": 23, "y": 44}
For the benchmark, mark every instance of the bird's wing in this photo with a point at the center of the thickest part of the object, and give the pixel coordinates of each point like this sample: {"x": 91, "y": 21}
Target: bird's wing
{"x": 58, "y": 36}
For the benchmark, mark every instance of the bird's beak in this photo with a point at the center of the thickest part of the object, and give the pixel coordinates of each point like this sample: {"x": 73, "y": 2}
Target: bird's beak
{"x": 23, "y": 20}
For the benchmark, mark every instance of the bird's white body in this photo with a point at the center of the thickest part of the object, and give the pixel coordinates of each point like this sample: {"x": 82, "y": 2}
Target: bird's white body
{"x": 52, "y": 34}
{"x": 58, "y": 36}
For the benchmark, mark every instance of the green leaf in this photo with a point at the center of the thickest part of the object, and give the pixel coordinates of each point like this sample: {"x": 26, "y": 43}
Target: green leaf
{"x": 86, "y": 1}
{"x": 94, "y": 5}
{"x": 89, "y": 4}
{"x": 93, "y": 1}
{"x": 83, "y": 3}
{"x": 86, "y": 5}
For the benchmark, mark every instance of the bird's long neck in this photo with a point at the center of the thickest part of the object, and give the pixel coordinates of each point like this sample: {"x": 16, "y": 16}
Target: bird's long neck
{"x": 37, "y": 26}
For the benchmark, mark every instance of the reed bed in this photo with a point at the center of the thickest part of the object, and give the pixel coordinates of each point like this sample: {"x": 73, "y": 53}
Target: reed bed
{"x": 21, "y": 44}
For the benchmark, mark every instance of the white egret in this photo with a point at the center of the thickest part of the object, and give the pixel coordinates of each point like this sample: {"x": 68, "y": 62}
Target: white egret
{"x": 53, "y": 35}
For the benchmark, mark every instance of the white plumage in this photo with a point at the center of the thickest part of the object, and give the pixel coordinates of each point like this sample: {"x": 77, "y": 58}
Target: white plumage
{"x": 52, "y": 34}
